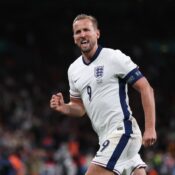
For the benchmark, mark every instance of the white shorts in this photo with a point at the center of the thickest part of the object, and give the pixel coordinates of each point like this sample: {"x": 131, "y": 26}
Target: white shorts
{"x": 119, "y": 152}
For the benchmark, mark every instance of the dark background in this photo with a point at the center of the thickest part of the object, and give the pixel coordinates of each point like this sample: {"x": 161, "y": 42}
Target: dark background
{"x": 36, "y": 48}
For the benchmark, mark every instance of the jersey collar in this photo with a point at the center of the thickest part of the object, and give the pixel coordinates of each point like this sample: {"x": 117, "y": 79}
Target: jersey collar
{"x": 94, "y": 56}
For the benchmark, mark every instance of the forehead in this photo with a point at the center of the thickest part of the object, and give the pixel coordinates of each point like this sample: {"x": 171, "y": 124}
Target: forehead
{"x": 82, "y": 23}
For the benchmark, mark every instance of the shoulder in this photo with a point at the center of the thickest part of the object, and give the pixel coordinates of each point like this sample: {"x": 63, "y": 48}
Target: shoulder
{"x": 114, "y": 55}
{"x": 113, "y": 52}
{"x": 106, "y": 50}
{"x": 75, "y": 64}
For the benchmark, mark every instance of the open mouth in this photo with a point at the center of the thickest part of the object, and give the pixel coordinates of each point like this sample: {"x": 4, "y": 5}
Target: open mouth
{"x": 84, "y": 42}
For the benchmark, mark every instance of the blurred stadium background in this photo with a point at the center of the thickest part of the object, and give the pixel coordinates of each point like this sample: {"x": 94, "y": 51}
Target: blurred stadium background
{"x": 36, "y": 48}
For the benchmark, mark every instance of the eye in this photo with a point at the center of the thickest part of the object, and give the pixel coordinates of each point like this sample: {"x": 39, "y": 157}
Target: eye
{"x": 86, "y": 30}
{"x": 77, "y": 32}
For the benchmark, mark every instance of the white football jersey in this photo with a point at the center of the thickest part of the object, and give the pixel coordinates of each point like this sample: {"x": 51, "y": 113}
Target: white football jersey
{"x": 102, "y": 86}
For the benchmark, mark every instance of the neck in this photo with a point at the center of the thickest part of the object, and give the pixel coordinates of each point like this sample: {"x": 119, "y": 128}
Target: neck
{"x": 88, "y": 55}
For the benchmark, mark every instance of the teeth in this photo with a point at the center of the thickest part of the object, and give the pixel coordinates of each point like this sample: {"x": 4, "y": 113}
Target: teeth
{"x": 83, "y": 42}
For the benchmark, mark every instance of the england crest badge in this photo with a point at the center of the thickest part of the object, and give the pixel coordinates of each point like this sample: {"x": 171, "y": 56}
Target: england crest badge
{"x": 98, "y": 73}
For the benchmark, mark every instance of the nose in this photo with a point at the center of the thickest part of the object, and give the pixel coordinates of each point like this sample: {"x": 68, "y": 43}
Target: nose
{"x": 82, "y": 34}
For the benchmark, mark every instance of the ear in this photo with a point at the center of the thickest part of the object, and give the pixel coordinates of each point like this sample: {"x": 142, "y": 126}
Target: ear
{"x": 74, "y": 40}
{"x": 98, "y": 34}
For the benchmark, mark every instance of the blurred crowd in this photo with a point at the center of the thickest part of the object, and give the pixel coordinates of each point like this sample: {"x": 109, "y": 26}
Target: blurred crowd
{"x": 35, "y": 51}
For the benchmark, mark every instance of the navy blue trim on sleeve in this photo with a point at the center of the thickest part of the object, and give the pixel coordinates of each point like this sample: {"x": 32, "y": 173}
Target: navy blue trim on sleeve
{"x": 133, "y": 76}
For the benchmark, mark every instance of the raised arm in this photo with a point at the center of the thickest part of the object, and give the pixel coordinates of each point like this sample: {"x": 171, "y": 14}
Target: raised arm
{"x": 148, "y": 103}
{"x": 74, "y": 108}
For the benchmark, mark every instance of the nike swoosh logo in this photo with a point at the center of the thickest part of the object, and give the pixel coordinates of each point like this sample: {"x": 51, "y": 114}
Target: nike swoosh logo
{"x": 98, "y": 155}
{"x": 76, "y": 80}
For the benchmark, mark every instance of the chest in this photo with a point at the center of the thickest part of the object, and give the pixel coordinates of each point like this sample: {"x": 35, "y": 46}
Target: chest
{"x": 94, "y": 75}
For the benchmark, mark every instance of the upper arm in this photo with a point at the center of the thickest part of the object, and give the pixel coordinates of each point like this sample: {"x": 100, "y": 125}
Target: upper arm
{"x": 141, "y": 84}
{"x": 75, "y": 104}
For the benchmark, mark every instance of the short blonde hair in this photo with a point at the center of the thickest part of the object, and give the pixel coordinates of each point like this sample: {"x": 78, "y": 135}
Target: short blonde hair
{"x": 85, "y": 16}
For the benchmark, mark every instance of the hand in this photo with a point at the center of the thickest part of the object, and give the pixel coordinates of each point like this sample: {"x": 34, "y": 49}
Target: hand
{"x": 57, "y": 103}
{"x": 149, "y": 137}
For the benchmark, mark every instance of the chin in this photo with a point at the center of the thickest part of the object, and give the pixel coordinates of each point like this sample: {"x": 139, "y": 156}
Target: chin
{"x": 85, "y": 50}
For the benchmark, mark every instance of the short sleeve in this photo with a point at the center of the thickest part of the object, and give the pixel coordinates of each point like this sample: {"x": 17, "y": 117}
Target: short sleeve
{"x": 126, "y": 68}
{"x": 73, "y": 90}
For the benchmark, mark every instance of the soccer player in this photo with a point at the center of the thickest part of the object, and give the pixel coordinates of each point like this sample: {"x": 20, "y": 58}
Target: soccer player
{"x": 98, "y": 86}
